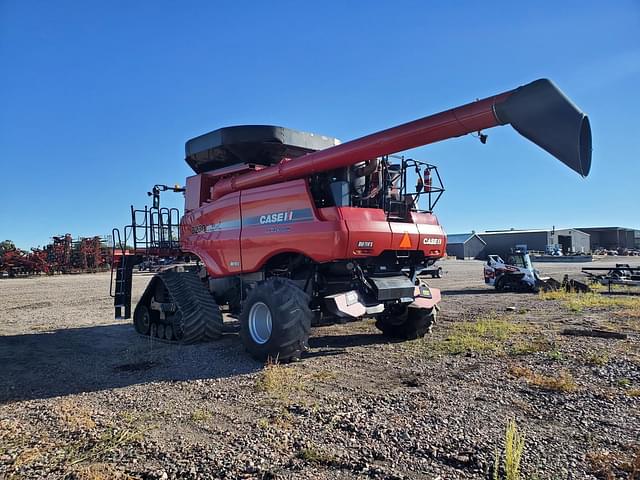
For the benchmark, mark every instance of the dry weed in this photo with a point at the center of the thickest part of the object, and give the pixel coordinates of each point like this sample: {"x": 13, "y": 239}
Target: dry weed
{"x": 279, "y": 380}
{"x": 74, "y": 415}
{"x": 97, "y": 471}
{"x": 612, "y": 465}
{"x": 563, "y": 382}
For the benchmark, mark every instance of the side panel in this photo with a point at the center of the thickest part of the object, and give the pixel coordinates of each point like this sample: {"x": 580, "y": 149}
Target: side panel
{"x": 369, "y": 231}
{"x": 282, "y": 218}
{"x": 433, "y": 239}
{"x": 213, "y": 233}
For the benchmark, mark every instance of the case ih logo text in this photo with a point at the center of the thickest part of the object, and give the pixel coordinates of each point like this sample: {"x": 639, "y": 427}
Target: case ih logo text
{"x": 365, "y": 244}
{"x": 432, "y": 241}
{"x": 279, "y": 217}
{"x": 198, "y": 229}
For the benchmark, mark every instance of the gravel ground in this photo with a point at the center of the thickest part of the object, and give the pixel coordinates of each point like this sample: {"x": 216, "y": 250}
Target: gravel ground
{"x": 82, "y": 396}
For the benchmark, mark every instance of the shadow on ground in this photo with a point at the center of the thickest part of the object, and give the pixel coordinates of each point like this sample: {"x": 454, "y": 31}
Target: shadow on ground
{"x": 75, "y": 360}
{"x": 343, "y": 342}
{"x": 470, "y": 291}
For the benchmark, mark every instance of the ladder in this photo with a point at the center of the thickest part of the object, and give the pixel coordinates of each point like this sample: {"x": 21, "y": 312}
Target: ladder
{"x": 122, "y": 264}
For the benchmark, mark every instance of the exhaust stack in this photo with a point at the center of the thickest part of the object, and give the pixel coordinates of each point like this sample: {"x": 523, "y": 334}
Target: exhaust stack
{"x": 539, "y": 111}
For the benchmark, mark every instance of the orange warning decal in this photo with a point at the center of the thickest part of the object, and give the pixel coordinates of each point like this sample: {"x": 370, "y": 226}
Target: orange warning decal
{"x": 406, "y": 241}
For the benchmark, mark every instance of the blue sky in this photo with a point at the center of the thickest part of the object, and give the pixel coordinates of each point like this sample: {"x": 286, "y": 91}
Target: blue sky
{"x": 98, "y": 98}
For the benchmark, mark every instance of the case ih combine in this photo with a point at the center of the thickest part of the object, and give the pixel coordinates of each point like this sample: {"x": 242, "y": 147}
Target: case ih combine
{"x": 292, "y": 229}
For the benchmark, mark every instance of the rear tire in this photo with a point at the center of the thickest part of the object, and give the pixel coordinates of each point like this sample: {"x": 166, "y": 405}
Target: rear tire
{"x": 276, "y": 321}
{"x": 410, "y": 324}
{"x": 500, "y": 283}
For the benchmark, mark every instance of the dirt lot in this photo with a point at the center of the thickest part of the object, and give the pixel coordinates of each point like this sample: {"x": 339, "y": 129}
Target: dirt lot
{"x": 82, "y": 396}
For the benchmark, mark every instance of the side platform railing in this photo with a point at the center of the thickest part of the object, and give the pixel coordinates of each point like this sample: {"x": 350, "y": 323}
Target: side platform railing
{"x": 155, "y": 233}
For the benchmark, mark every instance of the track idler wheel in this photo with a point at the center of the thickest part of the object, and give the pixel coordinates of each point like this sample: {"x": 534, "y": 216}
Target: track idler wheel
{"x": 142, "y": 320}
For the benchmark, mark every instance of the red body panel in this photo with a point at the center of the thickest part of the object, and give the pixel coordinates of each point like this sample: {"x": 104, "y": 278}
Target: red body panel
{"x": 366, "y": 225}
{"x": 282, "y": 218}
{"x": 212, "y": 232}
{"x": 241, "y": 231}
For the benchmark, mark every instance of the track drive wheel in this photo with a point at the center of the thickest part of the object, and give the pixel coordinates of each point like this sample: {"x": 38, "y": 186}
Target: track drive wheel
{"x": 407, "y": 323}
{"x": 276, "y": 321}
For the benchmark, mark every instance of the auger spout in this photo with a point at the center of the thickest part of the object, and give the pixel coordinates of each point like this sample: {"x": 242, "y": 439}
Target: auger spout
{"x": 539, "y": 111}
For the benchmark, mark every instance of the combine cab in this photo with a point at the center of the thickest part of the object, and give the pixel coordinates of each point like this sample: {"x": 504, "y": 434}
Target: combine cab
{"x": 292, "y": 229}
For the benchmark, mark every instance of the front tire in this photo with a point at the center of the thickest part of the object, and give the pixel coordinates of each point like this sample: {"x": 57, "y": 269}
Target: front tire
{"x": 276, "y": 321}
{"x": 411, "y": 324}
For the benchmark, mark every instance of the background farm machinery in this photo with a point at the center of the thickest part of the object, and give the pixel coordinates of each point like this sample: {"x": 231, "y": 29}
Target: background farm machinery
{"x": 62, "y": 255}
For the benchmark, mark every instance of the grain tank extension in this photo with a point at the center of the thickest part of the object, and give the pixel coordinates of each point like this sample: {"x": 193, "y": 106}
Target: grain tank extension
{"x": 292, "y": 229}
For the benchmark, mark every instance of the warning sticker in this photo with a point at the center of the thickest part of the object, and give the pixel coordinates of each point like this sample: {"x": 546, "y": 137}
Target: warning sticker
{"x": 406, "y": 241}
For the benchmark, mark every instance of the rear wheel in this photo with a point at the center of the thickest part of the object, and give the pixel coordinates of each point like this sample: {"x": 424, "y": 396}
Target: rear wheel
{"x": 408, "y": 323}
{"x": 500, "y": 283}
{"x": 276, "y": 320}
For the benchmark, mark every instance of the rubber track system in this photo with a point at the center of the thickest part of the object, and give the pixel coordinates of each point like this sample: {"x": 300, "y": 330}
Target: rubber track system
{"x": 197, "y": 317}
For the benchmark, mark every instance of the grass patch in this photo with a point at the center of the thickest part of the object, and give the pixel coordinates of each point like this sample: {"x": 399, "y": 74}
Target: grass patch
{"x": 280, "y": 419}
{"x": 599, "y": 359}
{"x": 535, "y": 345}
{"x": 279, "y": 380}
{"x": 555, "y": 355}
{"x": 78, "y": 447}
{"x": 563, "y": 382}
{"x": 282, "y": 381}
{"x": 322, "y": 375}
{"x": 108, "y": 442}
{"x": 631, "y": 313}
{"x": 577, "y": 302}
{"x": 27, "y": 456}
{"x": 200, "y": 415}
{"x": 513, "y": 449}
{"x": 98, "y": 471}
{"x": 313, "y": 455}
{"x": 487, "y": 334}
{"x": 633, "y": 392}
{"x": 624, "y": 382}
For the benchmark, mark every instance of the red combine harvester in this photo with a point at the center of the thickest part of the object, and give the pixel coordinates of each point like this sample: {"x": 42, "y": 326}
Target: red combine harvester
{"x": 293, "y": 229}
